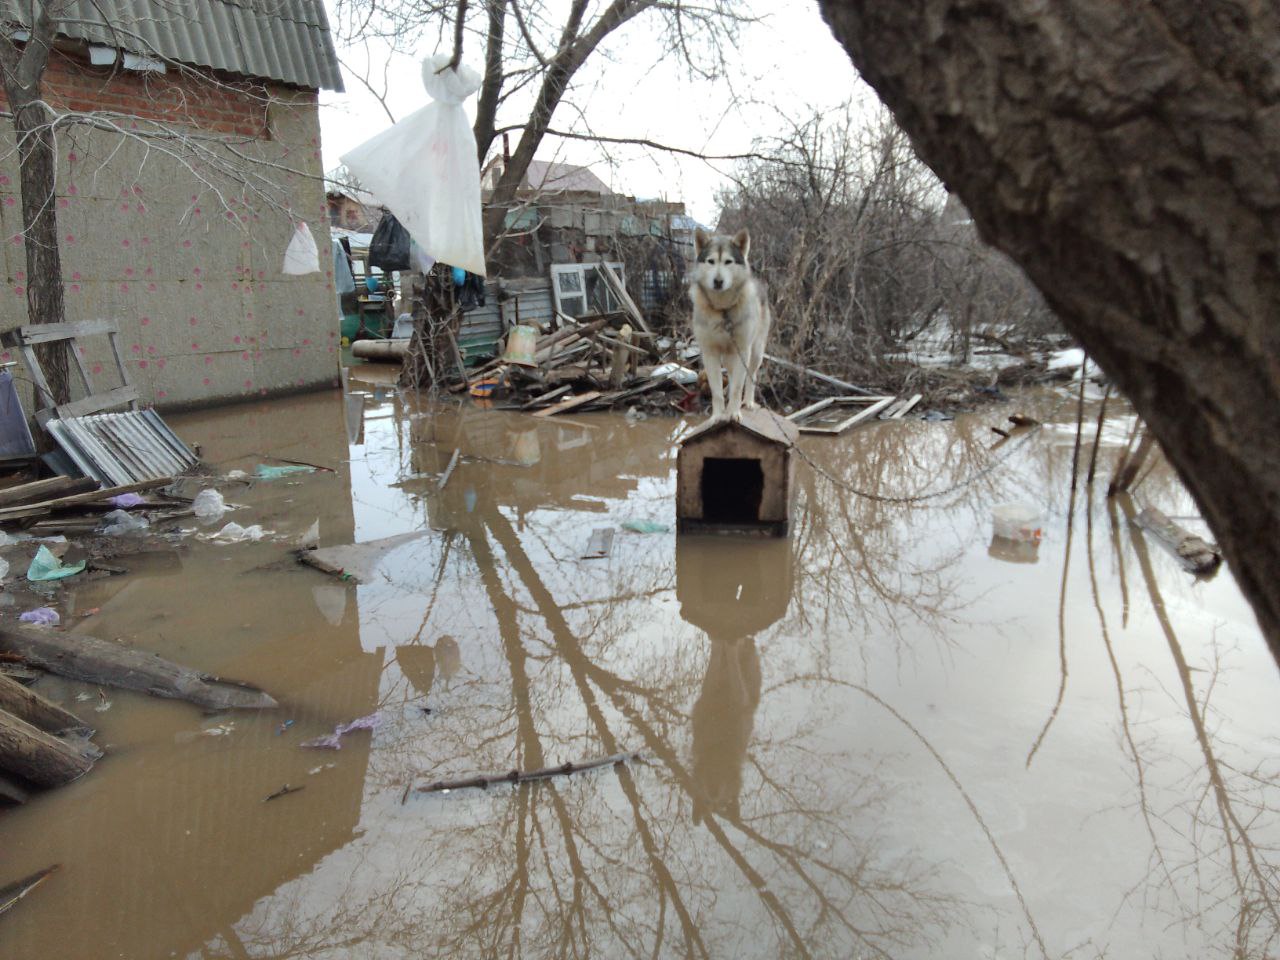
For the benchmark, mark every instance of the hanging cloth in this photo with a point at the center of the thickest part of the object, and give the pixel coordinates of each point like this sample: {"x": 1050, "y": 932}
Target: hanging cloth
{"x": 424, "y": 169}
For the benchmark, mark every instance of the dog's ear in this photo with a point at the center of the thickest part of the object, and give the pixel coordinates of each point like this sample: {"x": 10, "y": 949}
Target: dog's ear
{"x": 700, "y": 240}
{"x": 742, "y": 240}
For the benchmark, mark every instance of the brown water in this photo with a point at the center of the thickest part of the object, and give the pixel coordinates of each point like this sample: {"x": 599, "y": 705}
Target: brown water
{"x": 881, "y": 737}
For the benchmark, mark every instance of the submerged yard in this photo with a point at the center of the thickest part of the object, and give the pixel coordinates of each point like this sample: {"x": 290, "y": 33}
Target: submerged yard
{"x": 883, "y": 736}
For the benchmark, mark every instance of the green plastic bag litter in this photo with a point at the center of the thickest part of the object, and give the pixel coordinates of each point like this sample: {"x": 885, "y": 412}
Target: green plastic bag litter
{"x": 645, "y": 526}
{"x": 45, "y": 566}
{"x": 267, "y": 471}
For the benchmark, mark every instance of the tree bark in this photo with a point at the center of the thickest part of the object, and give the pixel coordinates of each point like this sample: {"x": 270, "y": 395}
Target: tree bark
{"x": 41, "y": 757}
{"x": 37, "y": 174}
{"x": 1127, "y": 154}
{"x": 491, "y": 86}
{"x": 30, "y": 707}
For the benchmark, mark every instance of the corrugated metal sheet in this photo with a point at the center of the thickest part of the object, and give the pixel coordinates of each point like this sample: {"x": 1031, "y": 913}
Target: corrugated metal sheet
{"x": 122, "y": 448}
{"x": 285, "y": 40}
{"x": 482, "y": 327}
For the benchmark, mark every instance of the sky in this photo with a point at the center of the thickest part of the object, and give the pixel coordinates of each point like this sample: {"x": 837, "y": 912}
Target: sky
{"x": 784, "y": 68}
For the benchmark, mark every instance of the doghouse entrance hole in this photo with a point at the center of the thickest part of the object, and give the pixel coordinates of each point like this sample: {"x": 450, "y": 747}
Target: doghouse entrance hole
{"x": 732, "y": 488}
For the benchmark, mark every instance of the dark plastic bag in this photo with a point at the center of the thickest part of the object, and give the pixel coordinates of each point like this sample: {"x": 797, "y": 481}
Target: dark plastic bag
{"x": 389, "y": 248}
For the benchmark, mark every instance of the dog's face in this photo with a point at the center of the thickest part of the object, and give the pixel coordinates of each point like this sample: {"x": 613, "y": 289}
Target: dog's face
{"x": 720, "y": 263}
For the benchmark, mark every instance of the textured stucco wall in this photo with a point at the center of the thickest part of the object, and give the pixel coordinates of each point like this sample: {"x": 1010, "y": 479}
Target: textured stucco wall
{"x": 186, "y": 261}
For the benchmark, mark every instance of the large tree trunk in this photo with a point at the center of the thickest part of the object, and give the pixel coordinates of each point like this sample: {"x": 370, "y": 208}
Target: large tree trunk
{"x": 37, "y": 165}
{"x": 1127, "y": 154}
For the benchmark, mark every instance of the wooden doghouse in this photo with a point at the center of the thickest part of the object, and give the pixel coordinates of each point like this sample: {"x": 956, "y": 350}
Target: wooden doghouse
{"x": 737, "y": 477}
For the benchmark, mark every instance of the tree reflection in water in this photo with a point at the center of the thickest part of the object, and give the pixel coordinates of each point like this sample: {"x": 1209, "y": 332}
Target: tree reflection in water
{"x": 771, "y": 814}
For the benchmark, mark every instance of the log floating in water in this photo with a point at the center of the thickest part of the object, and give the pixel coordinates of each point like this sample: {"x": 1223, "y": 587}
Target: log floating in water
{"x": 1195, "y": 554}
{"x": 29, "y": 706}
{"x": 40, "y": 757}
{"x": 517, "y": 776}
{"x": 82, "y": 657}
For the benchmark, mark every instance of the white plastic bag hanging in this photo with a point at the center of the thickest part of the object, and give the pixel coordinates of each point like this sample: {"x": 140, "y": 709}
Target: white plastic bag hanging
{"x": 424, "y": 169}
{"x": 302, "y": 255}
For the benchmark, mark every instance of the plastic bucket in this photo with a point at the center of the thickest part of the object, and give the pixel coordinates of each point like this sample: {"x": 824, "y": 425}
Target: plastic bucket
{"x": 522, "y": 343}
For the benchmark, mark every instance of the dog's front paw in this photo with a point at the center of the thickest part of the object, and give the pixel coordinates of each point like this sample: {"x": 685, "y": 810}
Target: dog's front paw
{"x": 736, "y": 416}
{"x": 751, "y": 406}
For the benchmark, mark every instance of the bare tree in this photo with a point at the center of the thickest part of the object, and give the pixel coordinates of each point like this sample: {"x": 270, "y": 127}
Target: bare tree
{"x": 23, "y": 65}
{"x": 1125, "y": 155}
{"x": 863, "y": 253}
{"x": 536, "y": 48}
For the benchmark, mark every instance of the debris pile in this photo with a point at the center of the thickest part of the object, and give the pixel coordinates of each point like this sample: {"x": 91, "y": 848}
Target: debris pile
{"x": 598, "y": 363}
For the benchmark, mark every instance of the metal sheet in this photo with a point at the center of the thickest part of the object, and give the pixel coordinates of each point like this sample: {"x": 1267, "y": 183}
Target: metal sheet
{"x": 122, "y": 448}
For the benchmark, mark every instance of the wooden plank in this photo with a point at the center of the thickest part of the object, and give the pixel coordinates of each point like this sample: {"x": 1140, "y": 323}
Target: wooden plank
{"x": 569, "y": 403}
{"x": 80, "y": 368}
{"x": 600, "y": 544}
{"x": 45, "y": 489}
{"x": 875, "y": 405}
{"x": 902, "y": 407}
{"x": 620, "y": 290}
{"x": 113, "y": 340}
{"x": 35, "y": 509}
{"x": 98, "y": 402}
{"x": 36, "y": 372}
{"x": 546, "y": 397}
{"x": 842, "y": 384}
{"x": 33, "y": 333}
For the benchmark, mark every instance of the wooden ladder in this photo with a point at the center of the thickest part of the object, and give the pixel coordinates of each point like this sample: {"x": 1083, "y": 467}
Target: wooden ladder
{"x": 26, "y": 337}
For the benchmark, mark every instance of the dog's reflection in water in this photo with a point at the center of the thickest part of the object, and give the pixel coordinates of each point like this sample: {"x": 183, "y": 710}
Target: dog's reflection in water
{"x": 732, "y": 589}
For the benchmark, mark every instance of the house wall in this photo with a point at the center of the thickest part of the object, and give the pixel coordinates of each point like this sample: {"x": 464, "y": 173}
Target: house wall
{"x": 185, "y": 259}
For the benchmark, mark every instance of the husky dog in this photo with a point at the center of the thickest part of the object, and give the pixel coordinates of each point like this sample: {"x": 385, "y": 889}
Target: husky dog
{"x": 731, "y": 318}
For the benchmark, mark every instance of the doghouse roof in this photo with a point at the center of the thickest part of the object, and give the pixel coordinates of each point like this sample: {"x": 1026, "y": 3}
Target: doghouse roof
{"x": 765, "y": 424}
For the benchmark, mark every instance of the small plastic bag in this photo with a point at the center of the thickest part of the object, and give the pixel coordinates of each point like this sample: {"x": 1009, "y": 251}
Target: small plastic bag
{"x": 41, "y": 616}
{"x": 234, "y": 533}
{"x": 302, "y": 255}
{"x": 119, "y": 523}
{"x": 311, "y": 538}
{"x": 209, "y": 505}
{"x": 45, "y": 566}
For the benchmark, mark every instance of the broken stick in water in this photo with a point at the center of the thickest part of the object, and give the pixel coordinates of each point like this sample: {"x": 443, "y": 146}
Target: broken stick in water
{"x": 15, "y": 891}
{"x": 283, "y": 792}
{"x": 517, "y": 776}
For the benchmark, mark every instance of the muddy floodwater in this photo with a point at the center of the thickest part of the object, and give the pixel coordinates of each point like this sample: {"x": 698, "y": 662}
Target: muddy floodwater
{"x": 889, "y": 735}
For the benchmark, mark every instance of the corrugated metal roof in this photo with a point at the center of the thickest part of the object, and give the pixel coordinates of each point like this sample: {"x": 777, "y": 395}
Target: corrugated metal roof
{"x": 285, "y": 40}
{"x": 123, "y": 448}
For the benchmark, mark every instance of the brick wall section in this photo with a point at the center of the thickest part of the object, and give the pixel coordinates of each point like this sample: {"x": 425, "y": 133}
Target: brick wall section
{"x": 189, "y": 271}
{"x": 200, "y": 99}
